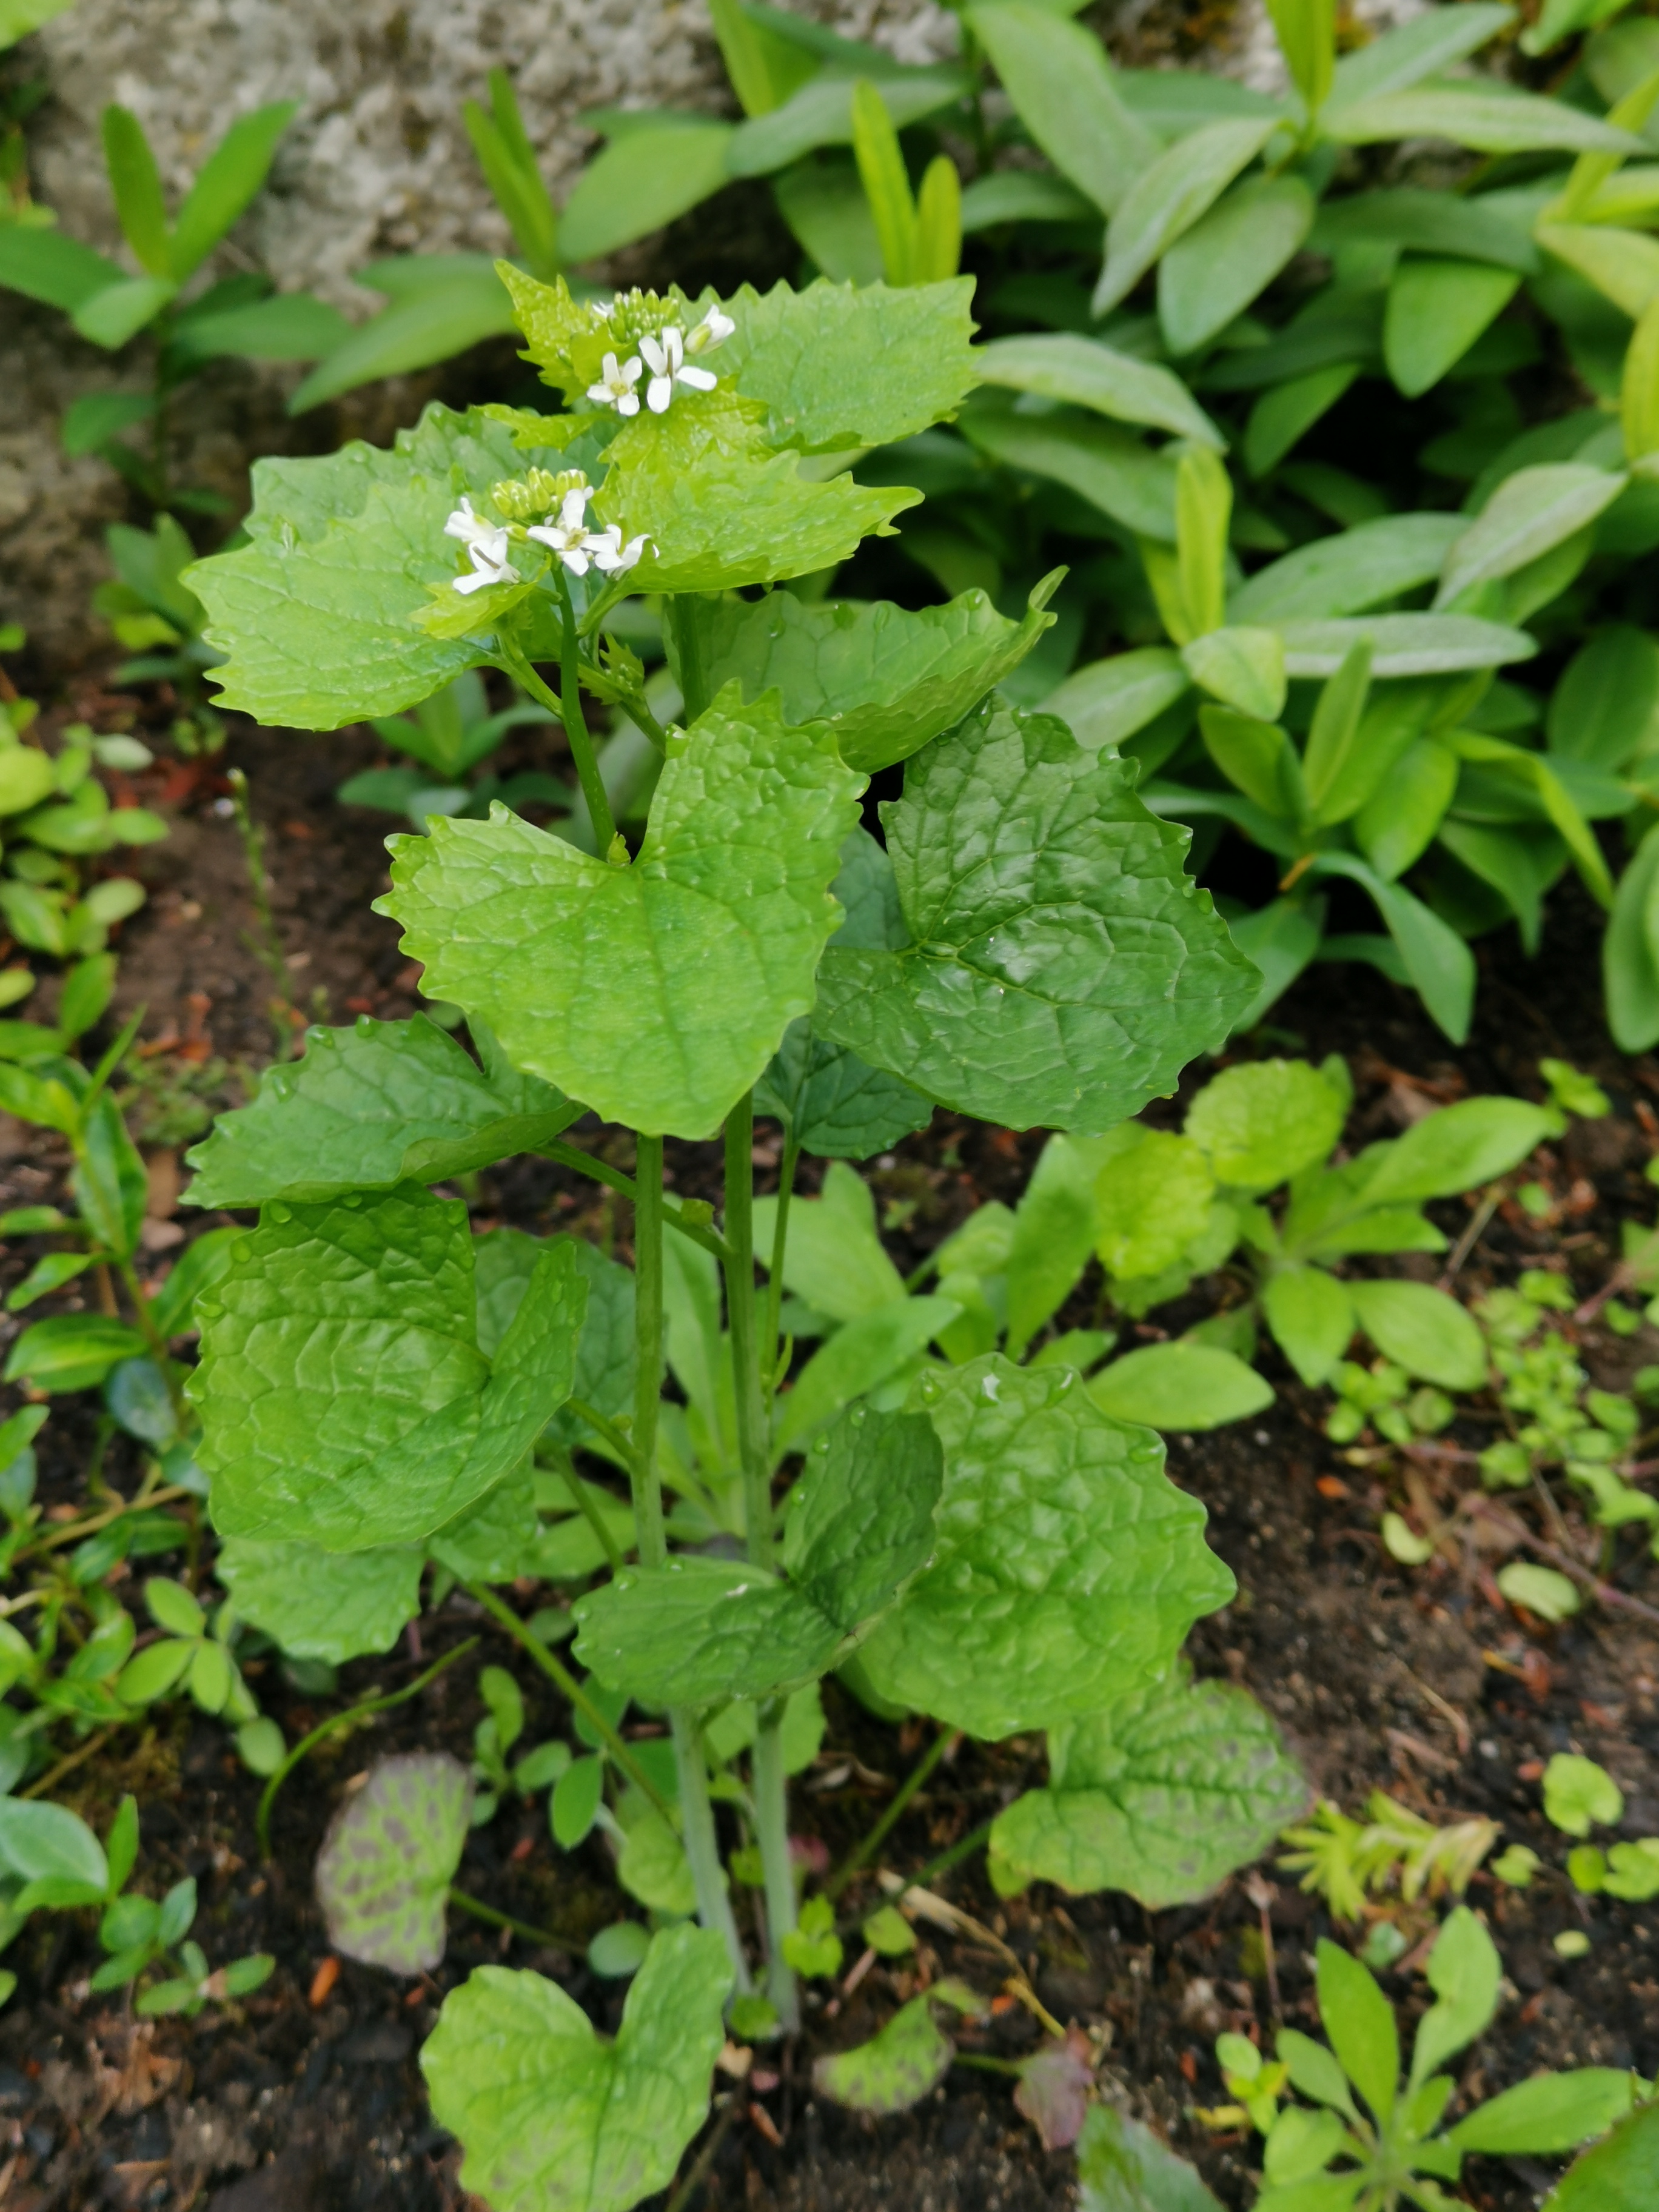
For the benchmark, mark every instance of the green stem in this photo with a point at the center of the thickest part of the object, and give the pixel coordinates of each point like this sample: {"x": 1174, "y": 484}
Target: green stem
{"x": 488, "y": 1913}
{"x": 862, "y": 1852}
{"x": 588, "y": 1509}
{"x": 681, "y": 613}
{"x": 622, "y": 1445}
{"x": 740, "y": 1319}
{"x": 369, "y": 1705}
{"x": 775, "y": 1278}
{"x": 575, "y": 729}
{"x": 703, "y": 1849}
{"x": 153, "y": 1338}
{"x": 772, "y": 1829}
{"x": 572, "y": 1155}
{"x": 647, "y": 1341}
{"x": 561, "y": 1678}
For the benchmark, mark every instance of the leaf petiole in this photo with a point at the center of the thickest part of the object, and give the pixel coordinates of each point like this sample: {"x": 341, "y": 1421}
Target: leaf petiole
{"x": 572, "y": 1155}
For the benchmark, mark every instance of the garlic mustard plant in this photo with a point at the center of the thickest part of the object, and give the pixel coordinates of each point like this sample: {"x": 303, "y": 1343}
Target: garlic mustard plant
{"x": 379, "y": 1388}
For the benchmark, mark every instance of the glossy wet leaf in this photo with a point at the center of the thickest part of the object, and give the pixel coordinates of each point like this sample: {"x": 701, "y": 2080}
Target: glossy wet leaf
{"x": 380, "y": 1103}
{"x": 314, "y": 616}
{"x": 554, "y": 2117}
{"x": 333, "y": 1606}
{"x": 839, "y": 366}
{"x": 1062, "y": 969}
{"x": 344, "y": 1399}
{"x": 721, "y": 508}
{"x": 895, "y": 2069}
{"x": 837, "y": 1107}
{"x": 884, "y": 679}
{"x": 699, "y": 1631}
{"x": 1068, "y": 1568}
{"x": 391, "y": 1852}
{"x": 656, "y": 992}
{"x": 1161, "y": 1793}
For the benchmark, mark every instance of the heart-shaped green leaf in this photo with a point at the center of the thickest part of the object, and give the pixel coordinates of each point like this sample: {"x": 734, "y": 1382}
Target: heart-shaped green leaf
{"x": 1062, "y": 969}
{"x": 382, "y": 1102}
{"x": 656, "y": 990}
{"x": 391, "y": 1852}
{"x": 861, "y": 1522}
{"x": 553, "y": 2118}
{"x": 1069, "y": 1567}
{"x": 1161, "y": 1793}
{"x": 344, "y": 1400}
{"x": 333, "y": 1606}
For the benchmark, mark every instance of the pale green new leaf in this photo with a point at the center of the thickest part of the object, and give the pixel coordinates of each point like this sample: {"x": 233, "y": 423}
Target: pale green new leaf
{"x": 1180, "y": 1386}
{"x": 555, "y": 2120}
{"x": 380, "y": 1103}
{"x": 1464, "y": 1971}
{"x": 1529, "y": 512}
{"x": 391, "y": 1852}
{"x": 1037, "y": 987}
{"x": 834, "y": 1258}
{"x": 1456, "y": 1149}
{"x": 1489, "y": 121}
{"x": 1312, "y": 1318}
{"x": 719, "y": 509}
{"x": 1403, "y": 645}
{"x": 657, "y": 991}
{"x": 1069, "y": 1568}
{"x": 1421, "y": 48}
{"x": 1347, "y": 572}
{"x": 1063, "y": 365}
{"x": 1162, "y": 1794}
{"x": 1549, "y": 2115}
{"x": 1109, "y": 700}
{"x": 659, "y": 168}
{"x": 820, "y": 114}
{"x": 840, "y": 366}
{"x": 1423, "y": 1331}
{"x": 1620, "y": 2174}
{"x": 333, "y": 1606}
{"x": 1225, "y": 260}
{"x": 343, "y": 1400}
{"x": 1623, "y": 263}
{"x": 1062, "y": 86}
{"x": 1259, "y": 1123}
{"x": 315, "y": 615}
{"x": 700, "y": 1631}
{"x": 1168, "y": 198}
{"x": 886, "y": 679}
{"x": 1054, "y": 1237}
{"x": 896, "y": 2067}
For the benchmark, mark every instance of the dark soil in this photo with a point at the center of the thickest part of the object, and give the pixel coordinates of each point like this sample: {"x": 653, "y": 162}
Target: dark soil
{"x": 307, "y": 2097}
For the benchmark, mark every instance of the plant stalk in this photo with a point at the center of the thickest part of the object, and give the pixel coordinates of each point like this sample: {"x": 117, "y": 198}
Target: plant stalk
{"x": 703, "y": 1849}
{"x": 907, "y": 1790}
{"x": 774, "y": 1279}
{"x": 569, "y": 708}
{"x": 772, "y": 1828}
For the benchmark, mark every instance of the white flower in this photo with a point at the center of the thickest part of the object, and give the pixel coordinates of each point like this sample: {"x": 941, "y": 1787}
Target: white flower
{"x": 665, "y": 357}
{"x": 568, "y": 537}
{"x": 610, "y": 556}
{"x": 616, "y": 386}
{"x": 472, "y": 529}
{"x": 713, "y": 330}
{"x": 487, "y": 554}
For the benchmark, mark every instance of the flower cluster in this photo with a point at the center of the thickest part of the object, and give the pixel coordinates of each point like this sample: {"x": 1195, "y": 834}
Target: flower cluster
{"x": 668, "y": 354}
{"x": 562, "y": 500}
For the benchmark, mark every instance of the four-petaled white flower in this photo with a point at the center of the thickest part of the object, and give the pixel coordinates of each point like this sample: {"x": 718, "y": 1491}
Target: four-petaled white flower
{"x": 616, "y": 385}
{"x": 486, "y": 545}
{"x": 570, "y": 536}
{"x": 665, "y": 358}
{"x": 610, "y": 555}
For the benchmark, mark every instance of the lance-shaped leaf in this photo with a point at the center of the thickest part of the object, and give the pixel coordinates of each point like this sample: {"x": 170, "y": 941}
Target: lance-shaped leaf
{"x": 381, "y": 1103}
{"x": 1061, "y": 82}
{"x": 719, "y": 509}
{"x": 1214, "y": 273}
{"x": 391, "y": 1852}
{"x": 1069, "y": 1567}
{"x": 314, "y": 616}
{"x": 884, "y": 679}
{"x": 1062, "y": 365}
{"x": 1168, "y": 198}
{"x": 1349, "y": 571}
{"x": 333, "y": 1606}
{"x": 1061, "y": 969}
{"x": 1403, "y": 645}
{"x": 658, "y": 990}
{"x": 698, "y": 1630}
{"x": 1529, "y": 512}
{"x": 1495, "y": 121}
{"x": 840, "y": 366}
{"x": 345, "y": 1401}
{"x": 1161, "y": 1793}
{"x": 1108, "y": 467}
{"x": 837, "y": 1108}
{"x": 554, "y": 2118}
